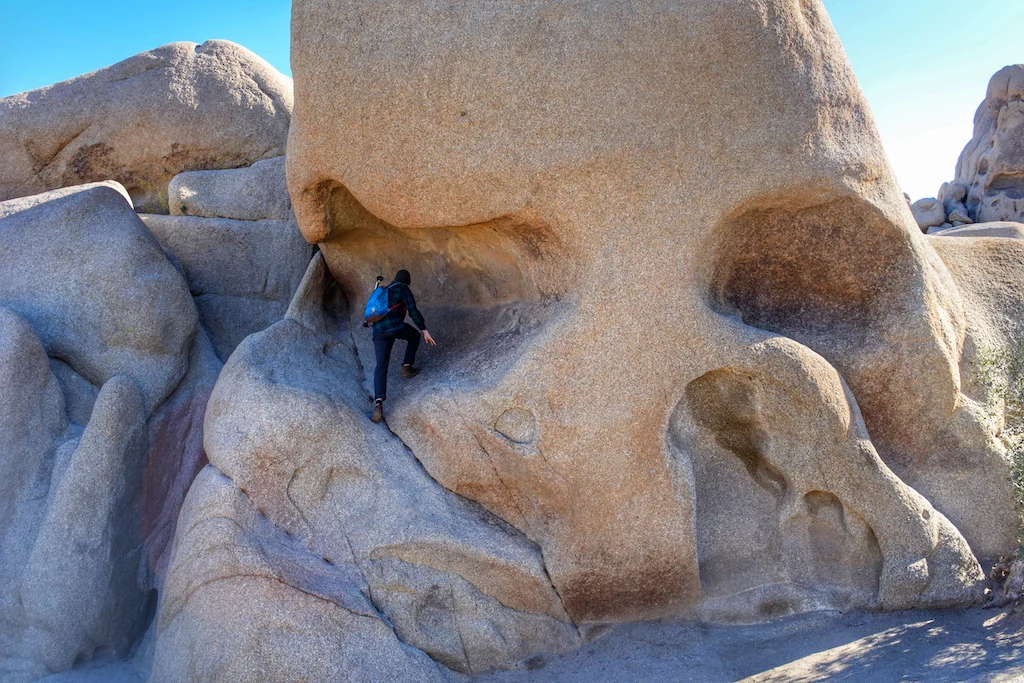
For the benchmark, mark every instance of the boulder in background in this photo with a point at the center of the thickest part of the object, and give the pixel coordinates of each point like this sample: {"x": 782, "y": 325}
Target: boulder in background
{"x": 180, "y": 107}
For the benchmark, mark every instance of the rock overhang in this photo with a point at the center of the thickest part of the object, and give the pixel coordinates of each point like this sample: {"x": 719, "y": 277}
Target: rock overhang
{"x": 638, "y": 143}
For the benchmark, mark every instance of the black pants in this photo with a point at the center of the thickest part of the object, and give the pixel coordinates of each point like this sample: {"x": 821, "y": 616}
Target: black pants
{"x": 382, "y": 346}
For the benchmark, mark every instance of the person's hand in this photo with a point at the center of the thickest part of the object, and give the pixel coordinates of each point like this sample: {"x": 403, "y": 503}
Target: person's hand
{"x": 427, "y": 338}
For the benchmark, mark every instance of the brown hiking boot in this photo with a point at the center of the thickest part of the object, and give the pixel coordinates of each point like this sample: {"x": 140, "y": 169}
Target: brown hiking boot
{"x": 378, "y": 411}
{"x": 409, "y": 371}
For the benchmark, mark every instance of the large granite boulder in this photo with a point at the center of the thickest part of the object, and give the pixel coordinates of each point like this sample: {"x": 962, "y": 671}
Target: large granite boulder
{"x": 32, "y": 425}
{"x": 106, "y": 379}
{"x": 354, "y": 550}
{"x": 241, "y": 273}
{"x": 94, "y": 284}
{"x": 177, "y": 108}
{"x": 81, "y": 589}
{"x": 989, "y": 181}
{"x": 611, "y": 254}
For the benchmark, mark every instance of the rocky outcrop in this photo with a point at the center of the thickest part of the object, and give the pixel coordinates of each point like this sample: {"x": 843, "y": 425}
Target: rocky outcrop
{"x": 241, "y": 273}
{"x": 718, "y": 375}
{"x": 592, "y": 340}
{"x": 177, "y": 108}
{"x": 338, "y": 525}
{"x": 105, "y": 375}
{"x": 109, "y": 369}
{"x": 83, "y": 589}
{"x": 87, "y": 275}
{"x": 234, "y": 236}
{"x": 989, "y": 183}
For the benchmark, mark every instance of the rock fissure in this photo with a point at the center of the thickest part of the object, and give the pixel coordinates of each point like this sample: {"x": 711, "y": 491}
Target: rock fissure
{"x": 551, "y": 467}
{"x": 369, "y": 587}
{"x": 471, "y": 504}
{"x": 484, "y": 511}
{"x": 508, "y": 489}
{"x": 458, "y": 627}
{"x": 279, "y": 580}
{"x": 356, "y": 561}
{"x": 558, "y": 593}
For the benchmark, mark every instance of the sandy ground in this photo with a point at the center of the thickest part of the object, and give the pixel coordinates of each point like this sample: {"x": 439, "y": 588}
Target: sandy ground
{"x": 974, "y": 645}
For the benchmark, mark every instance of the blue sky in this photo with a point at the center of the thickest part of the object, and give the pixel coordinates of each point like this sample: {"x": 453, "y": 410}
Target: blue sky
{"x": 923, "y": 64}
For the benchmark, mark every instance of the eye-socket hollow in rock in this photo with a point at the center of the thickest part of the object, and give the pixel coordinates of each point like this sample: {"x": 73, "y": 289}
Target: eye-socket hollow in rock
{"x": 837, "y": 274}
{"x": 484, "y": 289}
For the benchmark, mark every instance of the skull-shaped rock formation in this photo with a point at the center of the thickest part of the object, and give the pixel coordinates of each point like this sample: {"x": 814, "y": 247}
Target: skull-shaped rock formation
{"x": 989, "y": 181}
{"x": 695, "y": 355}
{"x": 613, "y": 215}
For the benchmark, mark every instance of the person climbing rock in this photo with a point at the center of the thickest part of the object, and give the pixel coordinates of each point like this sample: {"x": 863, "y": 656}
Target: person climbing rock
{"x": 391, "y": 328}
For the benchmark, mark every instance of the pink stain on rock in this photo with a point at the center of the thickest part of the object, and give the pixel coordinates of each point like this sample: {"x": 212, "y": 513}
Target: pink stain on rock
{"x": 175, "y": 457}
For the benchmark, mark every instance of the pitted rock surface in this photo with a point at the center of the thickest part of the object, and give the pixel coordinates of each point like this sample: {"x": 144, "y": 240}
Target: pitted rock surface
{"x": 989, "y": 183}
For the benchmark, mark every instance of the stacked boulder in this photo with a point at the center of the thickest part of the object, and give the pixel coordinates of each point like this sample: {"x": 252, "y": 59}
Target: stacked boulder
{"x": 114, "y": 326}
{"x": 235, "y": 236}
{"x": 988, "y": 191}
{"x": 107, "y": 377}
{"x": 944, "y": 213}
{"x": 185, "y": 415}
{"x": 989, "y": 183}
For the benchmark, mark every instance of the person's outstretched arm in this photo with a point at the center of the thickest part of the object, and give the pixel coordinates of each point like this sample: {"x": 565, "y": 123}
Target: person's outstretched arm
{"x": 410, "y": 305}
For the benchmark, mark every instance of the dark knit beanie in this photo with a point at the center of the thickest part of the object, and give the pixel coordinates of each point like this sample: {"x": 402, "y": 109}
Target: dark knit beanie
{"x": 403, "y": 277}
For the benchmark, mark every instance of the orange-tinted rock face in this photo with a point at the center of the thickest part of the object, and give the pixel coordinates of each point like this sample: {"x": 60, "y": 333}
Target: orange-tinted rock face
{"x": 607, "y": 210}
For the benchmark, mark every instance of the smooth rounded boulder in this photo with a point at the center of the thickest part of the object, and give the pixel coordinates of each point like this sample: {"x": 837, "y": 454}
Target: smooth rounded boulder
{"x": 928, "y": 213}
{"x": 94, "y": 284}
{"x": 252, "y": 193}
{"x": 180, "y": 107}
{"x": 107, "y": 376}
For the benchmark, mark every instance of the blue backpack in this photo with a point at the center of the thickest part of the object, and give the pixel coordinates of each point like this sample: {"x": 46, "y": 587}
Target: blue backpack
{"x": 377, "y": 306}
